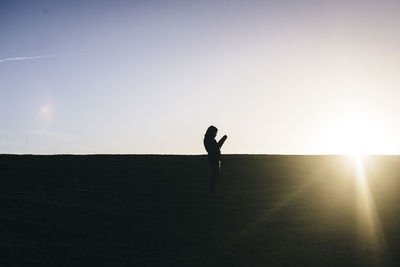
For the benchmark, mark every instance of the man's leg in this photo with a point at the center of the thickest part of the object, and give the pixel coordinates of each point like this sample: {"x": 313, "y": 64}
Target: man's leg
{"x": 214, "y": 176}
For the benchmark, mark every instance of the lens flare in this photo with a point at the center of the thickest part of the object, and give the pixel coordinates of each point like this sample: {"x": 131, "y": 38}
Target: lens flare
{"x": 46, "y": 112}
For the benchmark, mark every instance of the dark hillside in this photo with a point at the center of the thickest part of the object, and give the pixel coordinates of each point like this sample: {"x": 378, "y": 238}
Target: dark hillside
{"x": 144, "y": 210}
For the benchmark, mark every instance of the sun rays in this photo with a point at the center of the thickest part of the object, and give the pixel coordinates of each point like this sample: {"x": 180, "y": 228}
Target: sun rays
{"x": 337, "y": 189}
{"x": 370, "y": 235}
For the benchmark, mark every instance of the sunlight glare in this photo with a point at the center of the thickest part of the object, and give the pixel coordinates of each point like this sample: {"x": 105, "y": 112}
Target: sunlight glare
{"x": 358, "y": 136}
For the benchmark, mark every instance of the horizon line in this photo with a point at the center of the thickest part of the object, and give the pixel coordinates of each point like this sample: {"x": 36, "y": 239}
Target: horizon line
{"x": 168, "y": 154}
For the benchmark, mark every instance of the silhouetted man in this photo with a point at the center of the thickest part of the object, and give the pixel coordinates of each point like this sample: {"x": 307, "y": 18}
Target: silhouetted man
{"x": 214, "y": 154}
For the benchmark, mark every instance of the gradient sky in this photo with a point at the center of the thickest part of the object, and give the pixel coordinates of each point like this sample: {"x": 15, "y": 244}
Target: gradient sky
{"x": 287, "y": 77}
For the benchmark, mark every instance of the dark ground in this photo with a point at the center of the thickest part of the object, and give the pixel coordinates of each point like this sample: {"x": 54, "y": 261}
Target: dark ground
{"x": 156, "y": 211}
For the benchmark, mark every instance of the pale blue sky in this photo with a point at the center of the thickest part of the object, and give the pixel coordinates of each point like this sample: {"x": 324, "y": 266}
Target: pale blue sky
{"x": 293, "y": 77}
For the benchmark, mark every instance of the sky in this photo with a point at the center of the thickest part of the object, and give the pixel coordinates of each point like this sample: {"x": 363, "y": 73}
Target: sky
{"x": 149, "y": 77}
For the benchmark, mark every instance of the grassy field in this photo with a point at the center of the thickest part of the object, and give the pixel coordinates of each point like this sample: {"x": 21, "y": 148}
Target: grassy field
{"x": 156, "y": 211}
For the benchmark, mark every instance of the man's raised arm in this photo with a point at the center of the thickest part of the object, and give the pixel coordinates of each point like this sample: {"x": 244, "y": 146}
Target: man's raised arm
{"x": 222, "y": 141}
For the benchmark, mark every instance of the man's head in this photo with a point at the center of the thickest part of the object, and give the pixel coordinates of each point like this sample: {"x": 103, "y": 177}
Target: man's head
{"x": 212, "y": 131}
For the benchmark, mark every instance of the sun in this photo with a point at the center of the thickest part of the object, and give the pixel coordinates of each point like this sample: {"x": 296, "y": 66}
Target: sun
{"x": 358, "y": 136}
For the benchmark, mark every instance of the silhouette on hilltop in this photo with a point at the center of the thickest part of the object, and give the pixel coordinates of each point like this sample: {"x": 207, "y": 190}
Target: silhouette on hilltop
{"x": 214, "y": 154}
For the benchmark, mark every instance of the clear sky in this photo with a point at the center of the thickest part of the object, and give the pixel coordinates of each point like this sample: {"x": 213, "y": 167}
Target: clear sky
{"x": 288, "y": 77}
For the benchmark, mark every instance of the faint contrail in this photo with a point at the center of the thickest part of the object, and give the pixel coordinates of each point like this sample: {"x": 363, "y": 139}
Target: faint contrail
{"x": 24, "y": 58}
